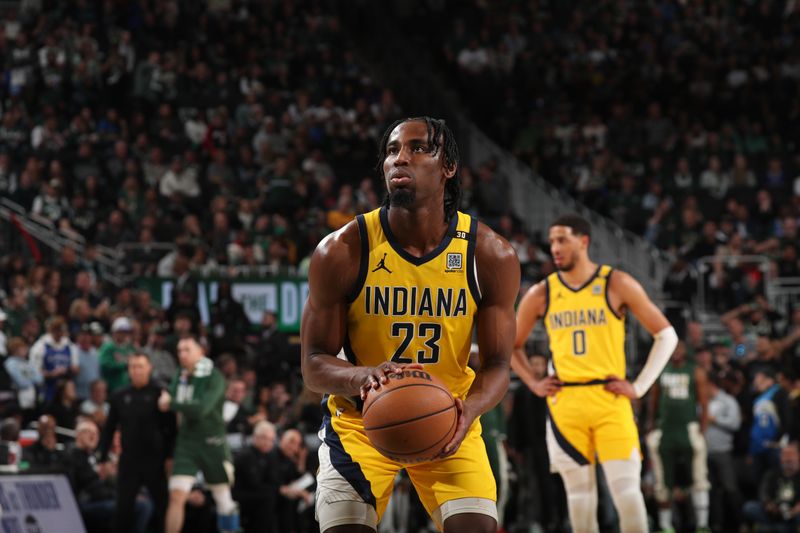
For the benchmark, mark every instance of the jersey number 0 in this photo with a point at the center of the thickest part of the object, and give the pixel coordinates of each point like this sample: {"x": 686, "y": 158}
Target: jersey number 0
{"x": 429, "y": 331}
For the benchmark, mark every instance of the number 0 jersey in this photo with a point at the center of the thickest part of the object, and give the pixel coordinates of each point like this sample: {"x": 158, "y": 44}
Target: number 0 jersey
{"x": 587, "y": 338}
{"x": 415, "y": 309}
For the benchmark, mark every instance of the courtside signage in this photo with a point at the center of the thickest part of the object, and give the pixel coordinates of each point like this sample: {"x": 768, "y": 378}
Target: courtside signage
{"x": 38, "y": 504}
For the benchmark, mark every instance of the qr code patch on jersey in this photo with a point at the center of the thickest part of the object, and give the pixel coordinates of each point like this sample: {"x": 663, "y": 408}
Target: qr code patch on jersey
{"x": 453, "y": 261}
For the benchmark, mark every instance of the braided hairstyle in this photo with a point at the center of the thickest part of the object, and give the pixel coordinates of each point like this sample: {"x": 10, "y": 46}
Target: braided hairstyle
{"x": 439, "y": 136}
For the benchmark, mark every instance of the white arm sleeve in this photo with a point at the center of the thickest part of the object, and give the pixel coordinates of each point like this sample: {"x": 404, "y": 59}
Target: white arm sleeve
{"x": 664, "y": 344}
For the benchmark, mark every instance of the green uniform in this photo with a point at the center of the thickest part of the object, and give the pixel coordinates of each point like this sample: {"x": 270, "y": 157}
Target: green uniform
{"x": 114, "y": 365}
{"x": 201, "y": 444}
{"x": 677, "y": 408}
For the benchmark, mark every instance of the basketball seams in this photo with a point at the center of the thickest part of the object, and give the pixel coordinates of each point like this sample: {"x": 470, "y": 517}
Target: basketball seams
{"x": 396, "y": 455}
{"x": 384, "y": 393}
{"x": 396, "y": 424}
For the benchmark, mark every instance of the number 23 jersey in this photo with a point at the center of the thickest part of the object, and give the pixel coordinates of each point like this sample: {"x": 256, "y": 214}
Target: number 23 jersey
{"x": 411, "y": 309}
{"x": 587, "y": 337}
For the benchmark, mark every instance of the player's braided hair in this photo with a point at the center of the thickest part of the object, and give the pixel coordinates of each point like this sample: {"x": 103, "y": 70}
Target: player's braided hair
{"x": 439, "y": 136}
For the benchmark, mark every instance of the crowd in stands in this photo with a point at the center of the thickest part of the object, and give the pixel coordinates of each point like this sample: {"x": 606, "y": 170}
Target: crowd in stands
{"x": 242, "y": 132}
{"x": 679, "y": 120}
{"x": 238, "y": 132}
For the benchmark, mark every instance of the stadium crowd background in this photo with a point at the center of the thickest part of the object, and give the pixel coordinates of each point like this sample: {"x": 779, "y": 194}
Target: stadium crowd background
{"x": 242, "y": 132}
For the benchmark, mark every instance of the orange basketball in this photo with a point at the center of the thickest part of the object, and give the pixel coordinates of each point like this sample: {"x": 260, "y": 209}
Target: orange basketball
{"x": 410, "y": 418}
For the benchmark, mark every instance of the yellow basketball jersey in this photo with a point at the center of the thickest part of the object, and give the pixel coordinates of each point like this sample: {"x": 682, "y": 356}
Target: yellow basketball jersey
{"x": 587, "y": 337}
{"x": 415, "y": 309}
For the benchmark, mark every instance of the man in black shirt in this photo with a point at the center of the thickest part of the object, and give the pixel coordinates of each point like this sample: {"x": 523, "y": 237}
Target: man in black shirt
{"x": 256, "y": 485}
{"x": 91, "y": 484}
{"x": 148, "y": 438}
{"x": 46, "y": 455}
{"x": 291, "y": 455}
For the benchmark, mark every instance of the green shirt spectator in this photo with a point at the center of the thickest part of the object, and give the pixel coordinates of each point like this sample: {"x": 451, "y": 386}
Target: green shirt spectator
{"x": 114, "y": 355}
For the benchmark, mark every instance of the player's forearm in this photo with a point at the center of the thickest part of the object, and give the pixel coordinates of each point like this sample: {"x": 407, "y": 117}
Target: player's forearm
{"x": 664, "y": 343}
{"x": 328, "y": 374}
{"x": 488, "y": 388}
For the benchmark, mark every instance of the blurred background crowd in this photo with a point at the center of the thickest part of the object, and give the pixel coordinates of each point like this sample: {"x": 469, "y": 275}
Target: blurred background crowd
{"x": 225, "y": 138}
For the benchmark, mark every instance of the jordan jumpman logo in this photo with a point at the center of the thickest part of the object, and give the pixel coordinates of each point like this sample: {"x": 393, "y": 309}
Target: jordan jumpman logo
{"x": 381, "y": 265}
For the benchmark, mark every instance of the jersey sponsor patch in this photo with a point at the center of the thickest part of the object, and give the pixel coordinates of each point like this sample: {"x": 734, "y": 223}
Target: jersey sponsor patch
{"x": 597, "y": 289}
{"x": 454, "y": 261}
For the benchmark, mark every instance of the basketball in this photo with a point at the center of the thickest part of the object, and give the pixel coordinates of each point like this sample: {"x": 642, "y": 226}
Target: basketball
{"x": 410, "y": 418}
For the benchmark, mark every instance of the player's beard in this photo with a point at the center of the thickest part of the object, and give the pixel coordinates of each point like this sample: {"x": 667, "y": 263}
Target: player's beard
{"x": 566, "y": 266}
{"x": 402, "y": 198}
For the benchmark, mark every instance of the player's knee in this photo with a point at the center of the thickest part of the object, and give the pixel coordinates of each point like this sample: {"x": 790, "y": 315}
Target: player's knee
{"x": 580, "y": 480}
{"x": 466, "y": 514}
{"x": 349, "y": 529}
{"x": 345, "y": 516}
{"x": 624, "y": 479}
{"x": 470, "y": 523}
{"x": 178, "y": 497}
{"x": 223, "y": 499}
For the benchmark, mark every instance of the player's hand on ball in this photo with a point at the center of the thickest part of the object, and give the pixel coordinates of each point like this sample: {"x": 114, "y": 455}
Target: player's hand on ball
{"x": 164, "y": 400}
{"x": 621, "y": 386}
{"x": 547, "y": 386}
{"x": 373, "y": 377}
{"x": 465, "y": 420}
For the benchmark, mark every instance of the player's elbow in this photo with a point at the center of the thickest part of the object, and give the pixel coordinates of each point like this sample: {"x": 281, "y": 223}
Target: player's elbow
{"x": 312, "y": 377}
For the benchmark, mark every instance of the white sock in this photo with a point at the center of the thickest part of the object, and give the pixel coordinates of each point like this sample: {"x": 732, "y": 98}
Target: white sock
{"x": 700, "y": 501}
{"x": 665, "y": 518}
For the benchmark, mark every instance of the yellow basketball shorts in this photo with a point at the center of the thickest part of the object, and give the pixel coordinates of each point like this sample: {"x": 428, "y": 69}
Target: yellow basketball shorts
{"x": 589, "y": 421}
{"x": 353, "y": 469}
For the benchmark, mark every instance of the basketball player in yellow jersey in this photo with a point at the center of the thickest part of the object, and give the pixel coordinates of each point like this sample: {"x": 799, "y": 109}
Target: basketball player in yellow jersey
{"x": 402, "y": 287}
{"x": 583, "y": 306}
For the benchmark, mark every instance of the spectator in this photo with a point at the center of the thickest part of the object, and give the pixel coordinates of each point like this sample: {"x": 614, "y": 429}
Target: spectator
{"x": 182, "y": 328}
{"x": 238, "y": 418}
{"x": 51, "y": 204}
{"x": 55, "y": 356}
{"x": 778, "y": 508}
{"x": 26, "y": 378}
{"x": 256, "y": 486}
{"x": 229, "y": 323}
{"x": 724, "y": 419}
{"x": 88, "y": 361}
{"x": 10, "y": 448}
{"x": 96, "y": 405}
{"x": 46, "y": 455}
{"x": 113, "y": 355}
{"x": 292, "y": 455}
{"x": 93, "y": 486}
{"x": 769, "y": 412}
{"x": 179, "y": 181}
{"x": 274, "y": 363}
{"x": 164, "y": 363}
{"x": 64, "y": 406}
